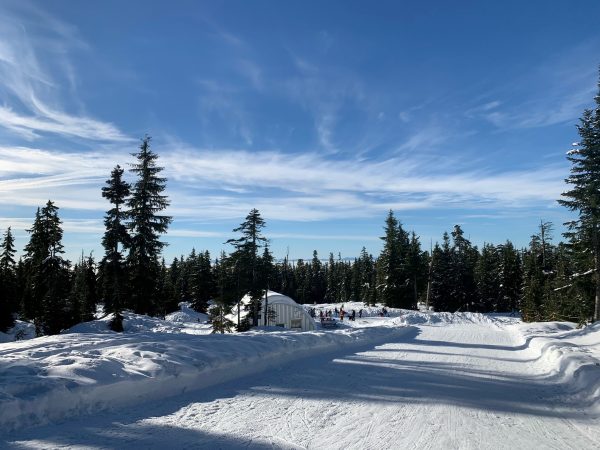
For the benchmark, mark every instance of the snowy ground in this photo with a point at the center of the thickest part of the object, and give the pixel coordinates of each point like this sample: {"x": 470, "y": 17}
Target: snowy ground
{"x": 413, "y": 380}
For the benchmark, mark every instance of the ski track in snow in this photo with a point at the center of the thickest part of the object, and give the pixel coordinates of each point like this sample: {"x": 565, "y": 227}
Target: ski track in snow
{"x": 458, "y": 386}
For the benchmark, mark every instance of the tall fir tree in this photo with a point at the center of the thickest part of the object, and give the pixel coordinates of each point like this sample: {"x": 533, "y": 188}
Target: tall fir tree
{"x": 113, "y": 273}
{"x": 8, "y": 282}
{"x": 202, "y": 282}
{"x": 332, "y": 290}
{"x": 488, "y": 280}
{"x": 393, "y": 283}
{"x": 416, "y": 268}
{"x": 247, "y": 258}
{"x": 83, "y": 296}
{"x": 167, "y": 300}
{"x": 464, "y": 258}
{"x": 145, "y": 227}
{"x": 539, "y": 272}
{"x": 267, "y": 269}
{"x": 47, "y": 273}
{"x": 511, "y": 277}
{"x": 441, "y": 284}
{"x": 584, "y": 195}
{"x": 317, "y": 280}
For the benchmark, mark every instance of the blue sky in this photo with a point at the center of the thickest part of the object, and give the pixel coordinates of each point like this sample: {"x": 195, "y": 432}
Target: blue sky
{"x": 323, "y": 115}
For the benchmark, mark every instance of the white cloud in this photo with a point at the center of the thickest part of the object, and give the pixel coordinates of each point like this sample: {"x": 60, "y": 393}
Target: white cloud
{"x": 34, "y": 70}
{"x": 554, "y": 92}
{"x": 216, "y": 185}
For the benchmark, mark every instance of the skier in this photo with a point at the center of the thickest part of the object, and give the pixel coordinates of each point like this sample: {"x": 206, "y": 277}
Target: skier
{"x": 353, "y": 315}
{"x": 360, "y": 313}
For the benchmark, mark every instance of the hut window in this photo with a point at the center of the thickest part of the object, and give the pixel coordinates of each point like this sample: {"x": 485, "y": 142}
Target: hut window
{"x": 296, "y": 323}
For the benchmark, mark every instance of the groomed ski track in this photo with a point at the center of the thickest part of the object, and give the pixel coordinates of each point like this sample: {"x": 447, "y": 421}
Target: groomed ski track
{"x": 458, "y": 386}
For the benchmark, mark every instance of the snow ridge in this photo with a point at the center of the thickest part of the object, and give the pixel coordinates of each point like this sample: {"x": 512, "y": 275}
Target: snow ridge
{"x": 55, "y": 377}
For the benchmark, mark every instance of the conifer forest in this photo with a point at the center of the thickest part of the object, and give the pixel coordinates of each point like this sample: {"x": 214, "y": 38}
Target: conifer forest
{"x": 556, "y": 277}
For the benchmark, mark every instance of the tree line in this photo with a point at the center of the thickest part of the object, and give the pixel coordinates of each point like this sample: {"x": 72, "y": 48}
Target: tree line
{"x": 544, "y": 281}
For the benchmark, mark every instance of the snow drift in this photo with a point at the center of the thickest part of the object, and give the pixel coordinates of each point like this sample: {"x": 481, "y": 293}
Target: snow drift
{"x": 54, "y": 377}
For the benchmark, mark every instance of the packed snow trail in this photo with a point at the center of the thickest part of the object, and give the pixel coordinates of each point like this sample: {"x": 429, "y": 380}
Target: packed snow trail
{"x": 466, "y": 386}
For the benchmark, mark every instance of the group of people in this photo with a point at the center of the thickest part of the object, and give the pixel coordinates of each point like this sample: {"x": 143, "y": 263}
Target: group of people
{"x": 341, "y": 313}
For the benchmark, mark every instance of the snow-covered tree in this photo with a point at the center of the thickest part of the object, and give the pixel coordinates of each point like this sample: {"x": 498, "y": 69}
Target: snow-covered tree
{"x": 583, "y": 197}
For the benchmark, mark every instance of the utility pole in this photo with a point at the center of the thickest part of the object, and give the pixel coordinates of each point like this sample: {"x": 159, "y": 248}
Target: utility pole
{"x": 430, "y": 273}
{"x": 267, "y": 306}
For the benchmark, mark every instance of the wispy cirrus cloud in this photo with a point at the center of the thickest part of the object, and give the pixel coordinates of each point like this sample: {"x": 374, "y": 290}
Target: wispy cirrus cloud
{"x": 35, "y": 70}
{"x": 302, "y": 187}
{"x": 554, "y": 92}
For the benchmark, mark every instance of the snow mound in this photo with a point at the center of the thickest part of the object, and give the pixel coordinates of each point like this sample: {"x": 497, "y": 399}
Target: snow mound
{"x": 186, "y": 314}
{"x": 20, "y": 331}
{"x": 54, "y": 377}
{"x": 186, "y": 320}
{"x": 445, "y": 318}
{"x": 411, "y": 317}
{"x": 569, "y": 355}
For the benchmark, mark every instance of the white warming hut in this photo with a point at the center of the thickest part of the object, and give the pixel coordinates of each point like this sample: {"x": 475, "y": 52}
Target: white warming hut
{"x": 284, "y": 312}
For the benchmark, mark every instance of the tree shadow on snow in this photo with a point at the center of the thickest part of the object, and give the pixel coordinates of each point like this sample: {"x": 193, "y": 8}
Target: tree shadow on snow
{"x": 108, "y": 434}
{"x": 336, "y": 378}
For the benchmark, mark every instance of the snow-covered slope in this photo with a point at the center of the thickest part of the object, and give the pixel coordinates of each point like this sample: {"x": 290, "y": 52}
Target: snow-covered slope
{"x": 91, "y": 368}
{"x": 569, "y": 355}
{"x": 448, "y": 380}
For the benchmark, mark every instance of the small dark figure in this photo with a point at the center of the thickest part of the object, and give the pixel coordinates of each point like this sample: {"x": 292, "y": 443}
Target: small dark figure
{"x": 360, "y": 313}
{"x": 353, "y": 315}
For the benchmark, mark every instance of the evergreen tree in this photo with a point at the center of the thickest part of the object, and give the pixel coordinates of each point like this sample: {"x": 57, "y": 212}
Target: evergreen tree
{"x": 464, "y": 258}
{"x": 584, "y": 195}
{"x": 145, "y": 226}
{"x": 47, "y": 274}
{"x": 488, "y": 279}
{"x": 511, "y": 277}
{"x": 227, "y": 295}
{"x": 218, "y": 318}
{"x": 302, "y": 282}
{"x": 167, "y": 300}
{"x": 267, "y": 271}
{"x": 82, "y": 300}
{"x": 286, "y": 278}
{"x": 202, "y": 282}
{"x": 112, "y": 267}
{"x": 332, "y": 289}
{"x": 246, "y": 256}
{"x": 442, "y": 283}
{"x": 317, "y": 280}
{"x": 416, "y": 268}
{"x": 367, "y": 272}
{"x": 8, "y": 282}
{"x": 394, "y": 282}
{"x": 539, "y": 273}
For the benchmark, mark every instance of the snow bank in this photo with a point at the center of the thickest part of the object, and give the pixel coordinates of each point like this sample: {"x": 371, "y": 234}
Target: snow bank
{"x": 21, "y": 330}
{"x": 50, "y": 378}
{"x": 569, "y": 355}
{"x": 411, "y": 317}
{"x": 186, "y": 315}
